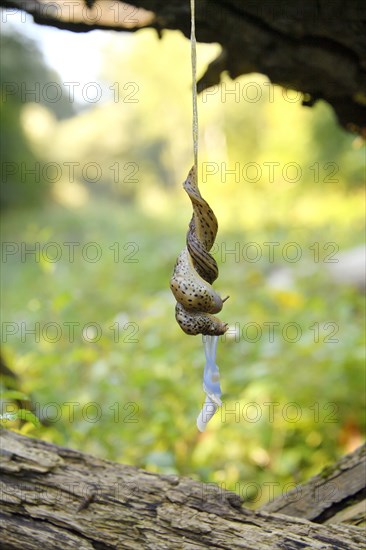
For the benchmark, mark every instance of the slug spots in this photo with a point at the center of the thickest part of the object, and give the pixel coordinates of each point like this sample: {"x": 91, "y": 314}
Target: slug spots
{"x": 196, "y": 269}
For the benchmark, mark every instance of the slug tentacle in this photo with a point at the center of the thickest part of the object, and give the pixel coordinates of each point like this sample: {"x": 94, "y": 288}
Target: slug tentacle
{"x": 196, "y": 269}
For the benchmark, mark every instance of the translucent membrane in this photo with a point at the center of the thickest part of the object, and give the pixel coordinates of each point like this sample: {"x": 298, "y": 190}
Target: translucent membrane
{"x": 211, "y": 383}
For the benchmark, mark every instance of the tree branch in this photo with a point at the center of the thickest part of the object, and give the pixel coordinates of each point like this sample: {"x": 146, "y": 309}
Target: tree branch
{"x": 337, "y": 494}
{"x": 54, "y": 497}
{"x": 316, "y": 47}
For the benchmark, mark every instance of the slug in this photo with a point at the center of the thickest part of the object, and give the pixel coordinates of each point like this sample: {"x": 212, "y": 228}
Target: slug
{"x": 195, "y": 270}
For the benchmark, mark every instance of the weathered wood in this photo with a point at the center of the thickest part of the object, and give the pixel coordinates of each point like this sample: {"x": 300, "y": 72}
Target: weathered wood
{"x": 336, "y": 495}
{"x": 317, "y": 47}
{"x": 57, "y": 498}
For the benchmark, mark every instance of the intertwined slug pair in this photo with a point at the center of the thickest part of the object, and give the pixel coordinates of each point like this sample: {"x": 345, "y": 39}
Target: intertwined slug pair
{"x": 195, "y": 270}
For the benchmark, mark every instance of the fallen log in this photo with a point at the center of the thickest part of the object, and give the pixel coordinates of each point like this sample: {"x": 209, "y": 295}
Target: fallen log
{"x": 57, "y": 498}
{"x": 337, "y": 494}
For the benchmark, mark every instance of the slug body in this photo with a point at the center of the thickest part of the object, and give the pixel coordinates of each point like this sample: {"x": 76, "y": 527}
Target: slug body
{"x": 195, "y": 270}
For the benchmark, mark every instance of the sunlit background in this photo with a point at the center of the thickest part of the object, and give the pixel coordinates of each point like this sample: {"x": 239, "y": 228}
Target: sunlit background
{"x": 96, "y": 144}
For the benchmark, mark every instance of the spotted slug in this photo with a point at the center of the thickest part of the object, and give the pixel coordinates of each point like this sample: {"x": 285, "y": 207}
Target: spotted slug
{"x": 195, "y": 270}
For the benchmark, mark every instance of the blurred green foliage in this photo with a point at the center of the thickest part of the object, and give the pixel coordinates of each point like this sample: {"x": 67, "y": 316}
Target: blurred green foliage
{"x": 107, "y": 368}
{"x": 23, "y": 79}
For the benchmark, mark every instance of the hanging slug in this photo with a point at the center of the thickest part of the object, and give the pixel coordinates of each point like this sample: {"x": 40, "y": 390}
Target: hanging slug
{"x": 194, "y": 272}
{"x": 196, "y": 269}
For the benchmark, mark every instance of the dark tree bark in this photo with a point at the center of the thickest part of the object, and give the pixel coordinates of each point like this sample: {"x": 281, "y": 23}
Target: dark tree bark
{"x": 337, "y": 494}
{"x": 317, "y": 47}
{"x": 57, "y": 498}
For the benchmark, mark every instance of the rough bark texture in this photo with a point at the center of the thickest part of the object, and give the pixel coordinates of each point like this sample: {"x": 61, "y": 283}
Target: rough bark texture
{"x": 336, "y": 495}
{"x": 317, "y": 47}
{"x": 56, "y": 498}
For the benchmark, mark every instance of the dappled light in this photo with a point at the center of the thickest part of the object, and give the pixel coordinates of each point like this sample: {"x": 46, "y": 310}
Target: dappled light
{"x": 94, "y": 215}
